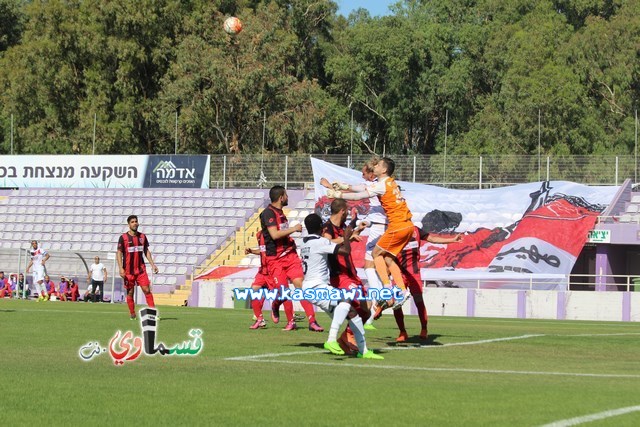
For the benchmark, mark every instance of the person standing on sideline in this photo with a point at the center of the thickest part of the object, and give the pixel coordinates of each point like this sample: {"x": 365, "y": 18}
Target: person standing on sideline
{"x": 97, "y": 277}
{"x": 283, "y": 262}
{"x": 131, "y": 246}
{"x": 39, "y": 257}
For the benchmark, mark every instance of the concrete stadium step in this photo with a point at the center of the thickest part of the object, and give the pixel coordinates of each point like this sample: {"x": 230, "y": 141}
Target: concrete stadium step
{"x": 176, "y": 298}
{"x": 231, "y": 254}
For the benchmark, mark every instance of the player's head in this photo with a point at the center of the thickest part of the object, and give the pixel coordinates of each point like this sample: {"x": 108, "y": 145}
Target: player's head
{"x": 46, "y": 277}
{"x": 63, "y": 279}
{"x": 21, "y": 276}
{"x": 339, "y": 208}
{"x": 1, "y": 273}
{"x": 385, "y": 167}
{"x": 313, "y": 224}
{"x": 367, "y": 169}
{"x": 97, "y": 260}
{"x": 34, "y": 244}
{"x": 279, "y": 194}
{"x": 132, "y": 220}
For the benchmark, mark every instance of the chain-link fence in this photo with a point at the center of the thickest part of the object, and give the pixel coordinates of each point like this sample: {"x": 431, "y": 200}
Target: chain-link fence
{"x": 294, "y": 171}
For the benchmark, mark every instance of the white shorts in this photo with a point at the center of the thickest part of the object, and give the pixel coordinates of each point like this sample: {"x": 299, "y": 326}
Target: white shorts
{"x": 38, "y": 275}
{"x": 375, "y": 232}
{"x": 323, "y": 304}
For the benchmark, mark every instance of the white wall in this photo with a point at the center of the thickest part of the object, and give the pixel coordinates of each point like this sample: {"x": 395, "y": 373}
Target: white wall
{"x": 572, "y": 305}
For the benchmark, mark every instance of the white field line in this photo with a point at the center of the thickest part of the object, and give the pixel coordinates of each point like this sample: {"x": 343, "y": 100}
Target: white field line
{"x": 621, "y": 334}
{"x": 294, "y": 353}
{"x": 593, "y": 417}
{"x": 420, "y": 368}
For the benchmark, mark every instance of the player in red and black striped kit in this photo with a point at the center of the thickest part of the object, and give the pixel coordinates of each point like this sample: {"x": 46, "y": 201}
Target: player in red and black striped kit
{"x": 283, "y": 262}
{"x": 343, "y": 275}
{"x": 262, "y": 280}
{"x": 409, "y": 262}
{"x": 131, "y": 247}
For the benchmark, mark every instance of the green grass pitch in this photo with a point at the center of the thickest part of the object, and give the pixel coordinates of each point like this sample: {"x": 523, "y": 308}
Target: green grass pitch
{"x": 491, "y": 372}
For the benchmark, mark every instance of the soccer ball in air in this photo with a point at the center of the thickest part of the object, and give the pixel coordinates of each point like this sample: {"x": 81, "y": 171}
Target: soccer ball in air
{"x": 232, "y": 25}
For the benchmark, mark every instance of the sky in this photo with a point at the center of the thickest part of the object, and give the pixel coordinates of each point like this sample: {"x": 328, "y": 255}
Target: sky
{"x": 375, "y": 7}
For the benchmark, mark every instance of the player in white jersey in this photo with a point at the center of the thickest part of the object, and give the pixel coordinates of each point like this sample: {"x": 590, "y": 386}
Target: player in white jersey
{"x": 377, "y": 222}
{"x": 314, "y": 251}
{"x": 39, "y": 257}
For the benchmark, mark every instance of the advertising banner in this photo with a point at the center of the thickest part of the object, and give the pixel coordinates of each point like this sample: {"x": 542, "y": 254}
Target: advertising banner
{"x": 135, "y": 171}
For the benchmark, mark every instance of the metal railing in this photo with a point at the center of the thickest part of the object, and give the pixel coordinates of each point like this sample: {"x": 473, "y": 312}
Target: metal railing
{"x": 294, "y": 171}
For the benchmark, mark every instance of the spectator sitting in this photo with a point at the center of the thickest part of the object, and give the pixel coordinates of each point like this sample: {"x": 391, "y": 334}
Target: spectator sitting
{"x": 5, "y": 287}
{"x": 73, "y": 290}
{"x": 13, "y": 283}
{"x": 64, "y": 290}
{"x": 87, "y": 297}
{"x": 50, "y": 286}
{"x": 22, "y": 288}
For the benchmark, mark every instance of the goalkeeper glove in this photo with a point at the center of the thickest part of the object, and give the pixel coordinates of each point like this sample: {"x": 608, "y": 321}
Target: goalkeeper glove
{"x": 334, "y": 194}
{"x": 339, "y": 186}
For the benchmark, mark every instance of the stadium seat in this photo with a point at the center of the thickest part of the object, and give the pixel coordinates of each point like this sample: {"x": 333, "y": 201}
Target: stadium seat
{"x": 635, "y": 199}
{"x": 632, "y": 208}
{"x": 245, "y": 262}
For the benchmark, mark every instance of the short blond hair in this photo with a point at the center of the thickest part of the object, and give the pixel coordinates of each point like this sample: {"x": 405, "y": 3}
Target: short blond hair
{"x": 371, "y": 163}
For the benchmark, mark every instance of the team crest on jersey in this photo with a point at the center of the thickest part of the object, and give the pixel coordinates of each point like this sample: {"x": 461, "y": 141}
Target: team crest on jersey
{"x": 271, "y": 220}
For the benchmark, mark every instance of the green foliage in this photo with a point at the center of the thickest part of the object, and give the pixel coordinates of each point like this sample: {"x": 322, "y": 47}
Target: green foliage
{"x": 483, "y": 72}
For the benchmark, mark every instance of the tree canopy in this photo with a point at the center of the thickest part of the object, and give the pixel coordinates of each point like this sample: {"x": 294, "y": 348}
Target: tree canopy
{"x": 493, "y": 75}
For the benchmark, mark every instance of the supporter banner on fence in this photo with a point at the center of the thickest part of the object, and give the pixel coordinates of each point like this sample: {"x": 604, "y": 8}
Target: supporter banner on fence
{"x": 68, "y": 171}
{"x": 510, "y": 232}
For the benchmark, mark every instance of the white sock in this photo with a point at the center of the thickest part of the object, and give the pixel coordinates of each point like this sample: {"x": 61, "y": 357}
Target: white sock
{"x": 358, "y": 331}
{"x": 42, "y": 289}
{"x": 374, "y": 283}
{"x": 339, "y": 315}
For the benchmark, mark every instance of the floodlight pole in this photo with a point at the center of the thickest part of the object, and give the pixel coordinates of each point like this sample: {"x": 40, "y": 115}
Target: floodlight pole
{"x": 95, "y": 118}
{"x": 636, "y": 148}
{"x": 539, "y": 146}
{"x": 12, "y": 134}
{"x": 351, "y": 150}
{"x": 264, "y": 136}
{"x": 446, "y": 131}
{"x": 175, "y": 150}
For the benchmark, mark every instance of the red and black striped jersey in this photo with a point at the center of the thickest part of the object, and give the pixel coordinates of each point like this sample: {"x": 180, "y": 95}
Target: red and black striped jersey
{"x": 339, "y": 265}
{"x": 263, "y": 255}
{"x": 274, "y": 217}
{"x": 409, "y": 257}
{"x": 133, "y": 247}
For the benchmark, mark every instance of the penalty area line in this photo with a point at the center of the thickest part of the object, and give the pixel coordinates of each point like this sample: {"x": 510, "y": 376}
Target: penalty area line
{"x": 421, "y": 347}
